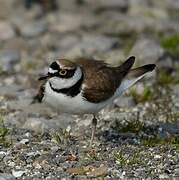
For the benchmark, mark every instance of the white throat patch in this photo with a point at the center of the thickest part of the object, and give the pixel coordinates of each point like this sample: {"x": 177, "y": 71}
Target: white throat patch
{"x": 61, "y": 83}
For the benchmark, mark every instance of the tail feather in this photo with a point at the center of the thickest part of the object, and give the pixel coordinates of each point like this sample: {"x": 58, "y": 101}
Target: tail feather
{"x": 135, "y": 75}
{"x": 137, "y": 72}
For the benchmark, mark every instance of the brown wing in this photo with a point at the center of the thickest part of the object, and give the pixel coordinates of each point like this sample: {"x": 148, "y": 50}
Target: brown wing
{"x": 101, "y": 80}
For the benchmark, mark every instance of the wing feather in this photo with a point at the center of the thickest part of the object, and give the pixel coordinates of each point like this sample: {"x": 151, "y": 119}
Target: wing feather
{"x": 101, "y": 80}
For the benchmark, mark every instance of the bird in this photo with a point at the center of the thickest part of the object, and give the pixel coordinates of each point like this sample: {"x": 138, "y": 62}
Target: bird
{"x": 86, "y": 86}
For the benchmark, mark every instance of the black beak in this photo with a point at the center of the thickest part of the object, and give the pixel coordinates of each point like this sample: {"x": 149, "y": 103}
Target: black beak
{"x": 44, "y": 77}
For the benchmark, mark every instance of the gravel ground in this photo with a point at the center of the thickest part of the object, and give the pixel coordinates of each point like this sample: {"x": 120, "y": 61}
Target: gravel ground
{"x": 137, "y": 137}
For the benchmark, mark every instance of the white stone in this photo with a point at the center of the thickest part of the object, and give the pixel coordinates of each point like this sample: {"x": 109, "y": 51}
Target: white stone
{"x": 24, "y": 141}
{"x": 157, "y": 156}
{"x": 18, "y": 174}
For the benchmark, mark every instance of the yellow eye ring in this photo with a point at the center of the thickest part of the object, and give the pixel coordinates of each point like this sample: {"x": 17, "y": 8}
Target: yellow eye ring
{"x": 63, "y": 72}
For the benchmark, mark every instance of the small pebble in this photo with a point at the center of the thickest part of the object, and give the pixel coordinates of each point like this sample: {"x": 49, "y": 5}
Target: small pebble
{"x": 18, "y": 174}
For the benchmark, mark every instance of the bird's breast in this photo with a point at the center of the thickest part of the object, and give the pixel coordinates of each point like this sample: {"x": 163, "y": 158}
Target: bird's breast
{"x": 68, "y": 104}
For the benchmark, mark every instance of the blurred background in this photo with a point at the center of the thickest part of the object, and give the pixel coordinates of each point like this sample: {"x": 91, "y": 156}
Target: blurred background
{"x": 35, "y": 32}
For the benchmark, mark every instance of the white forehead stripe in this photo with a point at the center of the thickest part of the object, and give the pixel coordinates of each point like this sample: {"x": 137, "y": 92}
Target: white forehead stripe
{"x": 50, "y": 70}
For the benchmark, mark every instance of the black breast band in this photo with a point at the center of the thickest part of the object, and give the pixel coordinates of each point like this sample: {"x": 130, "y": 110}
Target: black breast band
{"x": 71, "y": 91}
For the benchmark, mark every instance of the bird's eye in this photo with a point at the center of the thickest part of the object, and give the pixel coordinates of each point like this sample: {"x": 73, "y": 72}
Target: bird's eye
{"x": 63, "y": 72}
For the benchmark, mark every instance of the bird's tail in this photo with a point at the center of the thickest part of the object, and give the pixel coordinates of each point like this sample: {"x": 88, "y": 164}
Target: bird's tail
{"x": 135, "y": 75}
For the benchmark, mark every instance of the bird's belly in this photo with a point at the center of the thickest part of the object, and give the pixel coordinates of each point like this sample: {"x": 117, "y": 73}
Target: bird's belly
{"x": 68, "y": 104}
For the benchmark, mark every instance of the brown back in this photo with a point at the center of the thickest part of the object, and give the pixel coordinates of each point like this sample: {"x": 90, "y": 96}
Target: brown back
{"x": 101, "y": 80}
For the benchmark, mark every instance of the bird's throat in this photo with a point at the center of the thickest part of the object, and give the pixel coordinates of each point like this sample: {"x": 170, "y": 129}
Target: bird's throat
{"x": 70, "y": 91}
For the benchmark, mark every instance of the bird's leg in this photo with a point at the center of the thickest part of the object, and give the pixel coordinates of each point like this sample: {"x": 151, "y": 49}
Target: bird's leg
{"x": 94, "y": 124}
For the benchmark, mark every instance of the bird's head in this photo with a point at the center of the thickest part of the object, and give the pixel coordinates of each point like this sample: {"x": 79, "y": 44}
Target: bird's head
{"x": 63, "y": 73}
